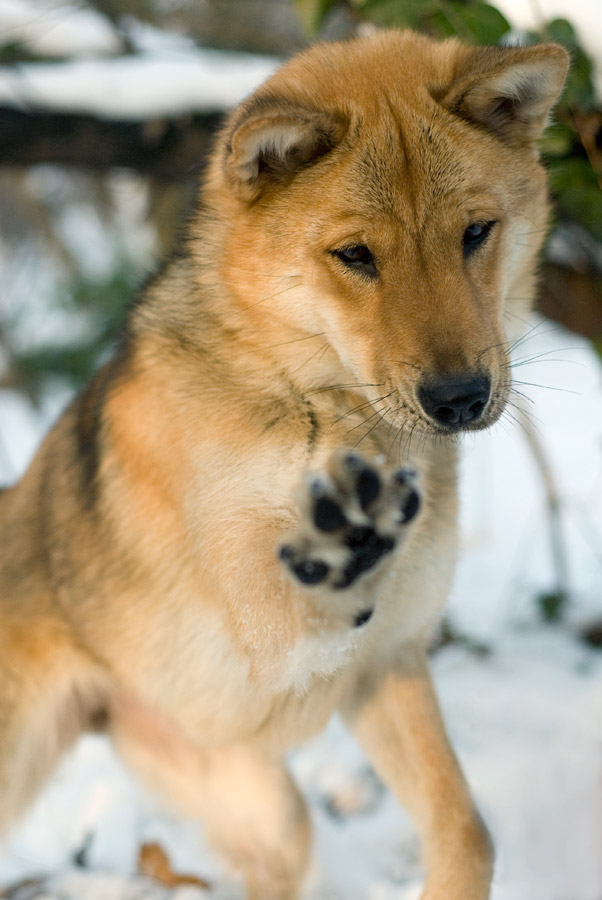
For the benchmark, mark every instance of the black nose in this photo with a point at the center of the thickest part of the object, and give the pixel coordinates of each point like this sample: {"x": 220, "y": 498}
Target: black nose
{"x": 455, "y": 400}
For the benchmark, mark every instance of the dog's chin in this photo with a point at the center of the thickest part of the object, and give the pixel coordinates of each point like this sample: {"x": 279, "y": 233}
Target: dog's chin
{"x": 456, "y": 431}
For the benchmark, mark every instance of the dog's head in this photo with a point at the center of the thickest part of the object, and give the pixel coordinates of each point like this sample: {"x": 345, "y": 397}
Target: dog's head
{"x": 386, "y": 197}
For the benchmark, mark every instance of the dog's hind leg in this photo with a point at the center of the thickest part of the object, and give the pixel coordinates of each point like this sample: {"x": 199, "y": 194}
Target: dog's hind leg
{"x": 259, "y": 821}
{"x": 49, "y": 694}
{"x": 251, "y": 809}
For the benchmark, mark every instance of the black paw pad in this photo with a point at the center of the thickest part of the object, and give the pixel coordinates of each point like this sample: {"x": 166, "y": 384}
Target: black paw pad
{"x": 368, "y": 487}
{"x": 310, "y": 571}
{"x": 367, "y": 547}
{"x": 410, "y": 507}
{"x": 307, "y": 571}
{"x": 362, "y": 617}
{"x": 328, "y": 515}
{"x": 359, "y": 537}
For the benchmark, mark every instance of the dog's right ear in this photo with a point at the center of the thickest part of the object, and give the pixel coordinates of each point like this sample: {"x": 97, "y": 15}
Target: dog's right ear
{"x": 273, "y": 139}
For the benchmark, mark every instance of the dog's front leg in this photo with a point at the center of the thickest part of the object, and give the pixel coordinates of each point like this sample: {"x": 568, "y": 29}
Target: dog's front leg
{"x": 396, "y": 718}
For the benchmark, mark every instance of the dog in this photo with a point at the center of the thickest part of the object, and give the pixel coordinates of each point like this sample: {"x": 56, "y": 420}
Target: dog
{"x": 248, "y": 519}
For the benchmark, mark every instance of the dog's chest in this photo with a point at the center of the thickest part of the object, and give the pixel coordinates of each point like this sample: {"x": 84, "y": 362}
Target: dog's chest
{"x": 323, "y": 653}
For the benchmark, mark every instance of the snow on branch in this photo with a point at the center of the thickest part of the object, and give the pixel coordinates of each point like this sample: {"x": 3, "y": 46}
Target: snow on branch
{"x": 136, "y": 87}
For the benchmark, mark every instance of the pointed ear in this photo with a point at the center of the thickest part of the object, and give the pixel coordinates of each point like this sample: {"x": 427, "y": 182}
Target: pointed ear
{"x": 272, "y": 139}
{"x": 510, "y": 92}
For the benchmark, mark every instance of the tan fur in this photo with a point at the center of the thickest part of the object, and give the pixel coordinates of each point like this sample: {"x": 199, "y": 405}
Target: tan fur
{"x": 140, "y": 583}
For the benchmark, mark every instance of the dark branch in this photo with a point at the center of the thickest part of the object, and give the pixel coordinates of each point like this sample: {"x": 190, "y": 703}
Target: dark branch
{"x": 164, "y": 148}
{"x": 572, "y": 298}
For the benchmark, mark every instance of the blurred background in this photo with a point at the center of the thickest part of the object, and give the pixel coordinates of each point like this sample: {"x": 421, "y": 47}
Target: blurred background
{"x": 107, "y": 111}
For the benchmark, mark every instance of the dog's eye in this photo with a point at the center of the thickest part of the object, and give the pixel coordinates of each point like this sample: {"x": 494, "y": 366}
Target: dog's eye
{"x": 358, "y": 257}
{"x": 474, "y": 236}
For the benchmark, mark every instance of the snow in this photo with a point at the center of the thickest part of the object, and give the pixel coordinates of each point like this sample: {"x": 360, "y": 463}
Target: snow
{"x": 167, "y": 76}
{"x": 49, "y": 28}
{"x": 522, "y": 699}
{"x": 139, "y": 87}
{"x": 563, "y": 379}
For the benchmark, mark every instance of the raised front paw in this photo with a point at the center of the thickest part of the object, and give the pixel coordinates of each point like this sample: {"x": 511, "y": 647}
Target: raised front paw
{"x": 352, "y": 517}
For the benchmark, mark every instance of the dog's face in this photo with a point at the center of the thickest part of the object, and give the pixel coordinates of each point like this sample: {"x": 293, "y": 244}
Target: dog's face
{"x": 390, "y": 202}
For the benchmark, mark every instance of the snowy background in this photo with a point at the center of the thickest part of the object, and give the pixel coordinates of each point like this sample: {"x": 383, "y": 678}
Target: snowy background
{"x": 522, "y": 699}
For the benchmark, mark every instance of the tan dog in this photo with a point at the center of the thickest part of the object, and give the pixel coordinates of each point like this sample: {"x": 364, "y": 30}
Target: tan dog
{"x": 369, "y": 225}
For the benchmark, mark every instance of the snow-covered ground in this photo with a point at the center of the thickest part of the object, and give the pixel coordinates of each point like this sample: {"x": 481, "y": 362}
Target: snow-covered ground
{"x": 523, "y": 701}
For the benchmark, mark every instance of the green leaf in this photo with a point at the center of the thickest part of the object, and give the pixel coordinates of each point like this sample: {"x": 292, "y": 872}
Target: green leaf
{"x": 569, "y": 174}
{"x": 578, "y": 193}
{"x": 487, "y": 24}
{"x": 474, "y": 22}
{"x": 312, "y": 13}
{"x": 597, "y": 344}
{"x": 561, "y": 31}
{"x": 579, "y": 91}
{"x": 471, "y": 20}
{"x": 74, "y": 364}
{"x": 105, "y": 304}
{"x": 584, "y": 204}
{"x": 558, "y": 140}
{"x": 552, "y": 605}
{"x": 12, "y": 52}
{"x": 401, "y": 13}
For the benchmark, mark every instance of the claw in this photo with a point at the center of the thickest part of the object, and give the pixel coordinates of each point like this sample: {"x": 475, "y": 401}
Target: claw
{"x": 317, "y": 486}
{"x": 404, "y": 476}
{"x": 410, "y": 507}
{"x": 354, "y": 462}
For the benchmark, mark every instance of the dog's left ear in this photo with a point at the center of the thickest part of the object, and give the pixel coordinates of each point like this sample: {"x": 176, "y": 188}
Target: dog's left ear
{"x": 273, "y": 139}
{"x": 510, "y": 91}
